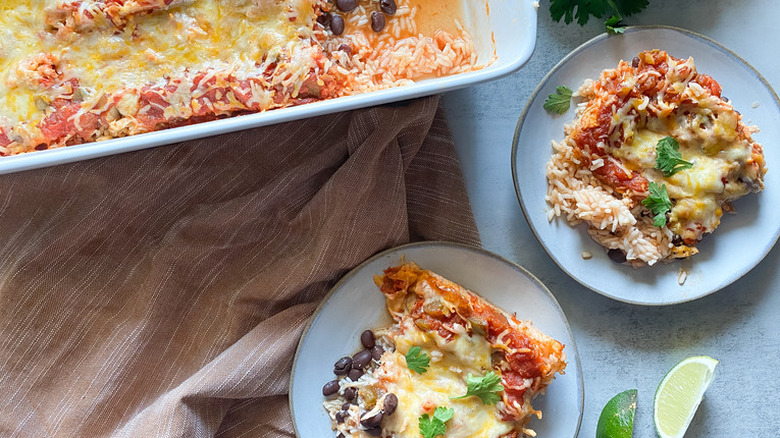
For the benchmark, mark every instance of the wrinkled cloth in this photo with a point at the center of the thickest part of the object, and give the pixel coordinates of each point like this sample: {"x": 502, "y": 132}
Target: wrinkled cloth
{"x": 162, "y": 293}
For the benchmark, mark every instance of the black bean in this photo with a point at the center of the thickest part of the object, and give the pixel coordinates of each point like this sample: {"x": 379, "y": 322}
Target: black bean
{"x": 367, "y": 339}
{"x": 350, "y": 393}
{"x": 345, "y": 48}
{"x": 355, "y": 374}
{"x": 371, "y": 422}
{"x": 342, "y": 366}
{"x": 345, "y": 406}
{"x": 330, "y": 388}
{"x": 340, "y": 435}
{"x": 324, "y": 18}
{"x": 617, "y": 255}
{"x": 374, "y": 431}
{"x": 635, "y": 63}
{"x": 341, "y": 416}
{"x": 377, "y": 21}
{"x": 360, "y": 360}
{"x": 388, "y": 6}
{"x": 390, "y": 403}
{"x": 377, "y": 352}
{"x": 337, "y": 24}
{"x": 346, "y": 5}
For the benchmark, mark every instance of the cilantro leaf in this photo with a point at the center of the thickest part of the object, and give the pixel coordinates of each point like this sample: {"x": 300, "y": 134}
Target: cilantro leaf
{"x": 658, "y": 202}
{"x": 582, "y": 10}
{"x": 431, "y": 427}
{"x": 668, "y": 157}
{"x": 443, "y": 414}
{"x": 560, "y": 101}
{"x": 486, "y": 388}
{"x": 417, "y": 361}
{"x": 613, "y": 24}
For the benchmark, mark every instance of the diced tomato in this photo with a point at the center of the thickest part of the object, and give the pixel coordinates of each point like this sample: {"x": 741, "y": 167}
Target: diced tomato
{"x": 595, "y": 131}
{"x": 4, "y": 140}
{"x": 60, "y": 126}
{"x": 243, "y": 93}
{"x": 514, "y": 389}
{"x": 208, "y": 101}
{"x": 709, "y": 83}
{"x": 429, "y": 406}
{"x": 152, "y": 107}
{"x": 617, "y": 178}
{"x": 198, "y": 78}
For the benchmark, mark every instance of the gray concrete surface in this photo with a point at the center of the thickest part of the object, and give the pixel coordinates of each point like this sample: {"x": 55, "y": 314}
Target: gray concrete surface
{"x": 624, "y": 346}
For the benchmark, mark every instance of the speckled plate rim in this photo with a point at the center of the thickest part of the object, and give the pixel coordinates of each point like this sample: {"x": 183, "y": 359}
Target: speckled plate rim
{"x": 535, "y": 96}
{"x": 571, "y": 347}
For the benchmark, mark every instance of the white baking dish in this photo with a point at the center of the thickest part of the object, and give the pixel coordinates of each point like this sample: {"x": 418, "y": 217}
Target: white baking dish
{"x": 505, "y": 29}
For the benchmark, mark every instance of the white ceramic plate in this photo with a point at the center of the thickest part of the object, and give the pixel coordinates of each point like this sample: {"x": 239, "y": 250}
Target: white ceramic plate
{"x": 742, "y": 239}
{"x": 355, "y": 304}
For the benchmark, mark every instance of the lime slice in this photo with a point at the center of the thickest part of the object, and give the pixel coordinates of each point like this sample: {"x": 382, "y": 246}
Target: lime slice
{"x": 617, "y": 417}
{"x": 679, "y": 394}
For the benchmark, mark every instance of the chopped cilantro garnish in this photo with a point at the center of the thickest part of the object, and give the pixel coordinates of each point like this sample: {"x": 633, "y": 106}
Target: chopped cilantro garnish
{"x": 431, "y": 427}
{"x": 560, "y": 101}
{"x": 668, "y": 157}
{"x": 486, "y": 388}
{"x": 417, "y": 361}
{"x": 658, "y": 203}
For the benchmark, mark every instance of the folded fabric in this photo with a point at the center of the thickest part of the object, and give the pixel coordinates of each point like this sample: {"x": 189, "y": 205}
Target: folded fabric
{"x": 162, "y": 293}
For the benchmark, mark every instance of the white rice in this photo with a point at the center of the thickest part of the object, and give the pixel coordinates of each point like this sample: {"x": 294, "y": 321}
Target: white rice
{"x": 614, "y": 221}
{"x": 398, "y": 55}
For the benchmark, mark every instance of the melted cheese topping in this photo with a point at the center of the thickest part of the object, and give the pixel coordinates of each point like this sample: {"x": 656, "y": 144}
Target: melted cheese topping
{"x": 163, "y": 44}
{"x": 76, "y": 71}
{"x": 698, "y": 191}
{"x": 708, "y": 138}
{"x": 450, "y": 363}
{"x": 19, "y": 21}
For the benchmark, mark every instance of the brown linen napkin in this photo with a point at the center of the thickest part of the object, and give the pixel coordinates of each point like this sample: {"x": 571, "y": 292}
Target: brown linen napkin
{"x": 163, "y": 292}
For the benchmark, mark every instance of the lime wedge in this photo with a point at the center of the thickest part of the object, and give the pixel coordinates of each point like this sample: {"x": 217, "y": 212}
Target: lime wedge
{"x": 617, "y": 417}
{"x": 679, "y": 394}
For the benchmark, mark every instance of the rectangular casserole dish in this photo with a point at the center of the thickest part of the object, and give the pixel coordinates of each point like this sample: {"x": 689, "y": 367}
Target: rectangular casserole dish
{"x": 501, "y": 29}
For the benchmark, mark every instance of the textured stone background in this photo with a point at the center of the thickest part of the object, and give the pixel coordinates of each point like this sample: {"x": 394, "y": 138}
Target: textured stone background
{"x": 624, "y": 346}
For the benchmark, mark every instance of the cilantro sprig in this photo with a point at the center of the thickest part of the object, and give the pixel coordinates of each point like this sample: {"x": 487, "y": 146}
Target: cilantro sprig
{"x": 431, "y": 427}
{"x": 559, "y": 102}
{"x": 668, "y": 158}
{"x": 658, "y": 203}
{"x": 582, "y": 10}
{"x": 416, "y": 360}
{"x": 486, "y": 388}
